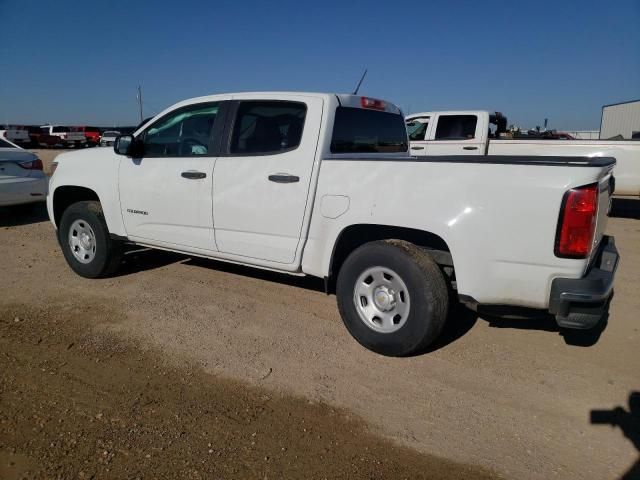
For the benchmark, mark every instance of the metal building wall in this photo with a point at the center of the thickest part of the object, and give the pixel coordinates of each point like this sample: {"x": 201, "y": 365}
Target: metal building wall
{"x": 620, "y": 119}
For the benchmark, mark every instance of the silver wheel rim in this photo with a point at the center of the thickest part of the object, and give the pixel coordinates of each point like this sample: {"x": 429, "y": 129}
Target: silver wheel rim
{"x": 382, "y": 299}
{"x": 82, "y": 241}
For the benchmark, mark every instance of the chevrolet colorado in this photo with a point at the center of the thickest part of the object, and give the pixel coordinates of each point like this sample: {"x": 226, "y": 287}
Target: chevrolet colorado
{"x": 323, "y": 185}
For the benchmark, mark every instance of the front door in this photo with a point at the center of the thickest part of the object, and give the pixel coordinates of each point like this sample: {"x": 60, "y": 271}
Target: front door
{"x": 417, "y": 129}
{"x": 165, "y": 195}
{"x": 261, "y": 185}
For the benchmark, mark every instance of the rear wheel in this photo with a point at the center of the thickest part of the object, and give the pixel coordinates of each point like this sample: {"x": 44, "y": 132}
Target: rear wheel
{"x": 86, "y": 243}
{"x": 392, "y": 297}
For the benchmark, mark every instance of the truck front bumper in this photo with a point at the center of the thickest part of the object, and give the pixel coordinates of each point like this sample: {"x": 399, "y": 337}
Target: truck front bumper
{"x": 581, "y": 303}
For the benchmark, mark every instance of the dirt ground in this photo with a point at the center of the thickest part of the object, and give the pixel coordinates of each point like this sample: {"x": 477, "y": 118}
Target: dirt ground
{"x": 94, "y": 366}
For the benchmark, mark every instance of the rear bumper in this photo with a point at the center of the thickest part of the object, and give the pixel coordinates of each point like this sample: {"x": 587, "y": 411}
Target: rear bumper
{"x": 581, "y": 303}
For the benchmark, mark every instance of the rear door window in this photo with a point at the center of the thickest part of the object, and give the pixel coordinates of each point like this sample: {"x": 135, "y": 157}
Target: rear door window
{"x": 357, "y": 130}
{"x": 456, "y": 127}
{"x": 267, "y": 127}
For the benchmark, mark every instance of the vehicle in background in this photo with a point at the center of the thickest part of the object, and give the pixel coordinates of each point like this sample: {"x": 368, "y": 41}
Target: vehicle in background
{"x": 322, "y": 185}
{"x": 21, "y": 177}
{"x": 108, "y": 138}
{"x": 91, "y": 134}
{"x": 15, "y": 134}
{"x": 68, "y": 138}
{"x": 482, "y": 133}
{"x": 39, "y": 138}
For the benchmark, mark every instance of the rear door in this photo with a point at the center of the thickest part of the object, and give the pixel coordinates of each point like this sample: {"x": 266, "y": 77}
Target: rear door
{"x": 261, "y": 183}
{"x": 455, "y": 134}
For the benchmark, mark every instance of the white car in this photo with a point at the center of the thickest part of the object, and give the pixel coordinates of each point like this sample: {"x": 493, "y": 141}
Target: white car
{"x": 323, "y": 185}
{"x": 18, "y": 136}
{"x": 21, "y": 177}
{"x": 108, "y": 138}
{"x": 468, "y": 133}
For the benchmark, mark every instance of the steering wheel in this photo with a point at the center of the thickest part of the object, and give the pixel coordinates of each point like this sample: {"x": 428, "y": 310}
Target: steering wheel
{"x": 187, "y": 144}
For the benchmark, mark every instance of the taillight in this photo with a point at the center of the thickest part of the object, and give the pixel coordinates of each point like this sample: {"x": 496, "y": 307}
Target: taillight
{"x": 372, "y": 103}
{"x": 574, "y": 238}
{"x": 32, "y": 165}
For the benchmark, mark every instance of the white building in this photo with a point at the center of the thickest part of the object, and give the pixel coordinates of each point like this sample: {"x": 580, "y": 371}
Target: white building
{"x": 620, "y": 119}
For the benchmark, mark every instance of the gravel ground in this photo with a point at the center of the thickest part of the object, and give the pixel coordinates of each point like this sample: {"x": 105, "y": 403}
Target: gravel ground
{"x": 510, "y": 396}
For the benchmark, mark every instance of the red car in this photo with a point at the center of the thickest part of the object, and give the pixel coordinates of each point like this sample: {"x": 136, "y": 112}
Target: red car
{"x": 92, "y": 134}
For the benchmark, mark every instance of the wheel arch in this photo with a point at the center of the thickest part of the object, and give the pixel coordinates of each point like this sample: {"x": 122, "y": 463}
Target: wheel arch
{"x": 66, "y": 195}
{"x": 353, "y": 236}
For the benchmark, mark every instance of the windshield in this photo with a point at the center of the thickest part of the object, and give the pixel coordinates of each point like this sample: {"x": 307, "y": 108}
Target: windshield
{"x": 110, "y": 134}
{"x": 61, "y": 129}
{"x": 417, "y": 128}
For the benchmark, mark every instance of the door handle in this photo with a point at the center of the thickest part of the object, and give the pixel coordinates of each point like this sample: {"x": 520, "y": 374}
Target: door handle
{"x": 283, "y": 178}
{"x": 193, "y": 175}
{"x": 417, "y": 148}
{"x": 469, "y": 148}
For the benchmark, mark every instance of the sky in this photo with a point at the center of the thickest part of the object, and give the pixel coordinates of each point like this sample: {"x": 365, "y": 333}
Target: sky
{"x": 79, "y": 62}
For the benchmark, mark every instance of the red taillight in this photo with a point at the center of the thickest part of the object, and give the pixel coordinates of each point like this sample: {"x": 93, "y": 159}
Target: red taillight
{"x": 577, "y": 222}
{"x": 372, "y": 103}
{"x": 33, "y": 165}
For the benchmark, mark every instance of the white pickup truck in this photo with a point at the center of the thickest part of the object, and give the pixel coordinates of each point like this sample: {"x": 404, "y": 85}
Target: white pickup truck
{"x": 322, "y": 185}
{"x": 471, "y": 133}
{"x": 19, "y": 136}
{"x": 68, "y": 138}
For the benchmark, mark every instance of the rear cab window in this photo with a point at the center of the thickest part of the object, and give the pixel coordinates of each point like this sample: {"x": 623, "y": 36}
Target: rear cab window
{"x": 359, "y": 130}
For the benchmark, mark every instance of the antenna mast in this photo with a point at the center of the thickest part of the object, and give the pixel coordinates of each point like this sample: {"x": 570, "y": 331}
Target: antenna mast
{"x": 140, "y": 102}
{"x": 355, "y": 92}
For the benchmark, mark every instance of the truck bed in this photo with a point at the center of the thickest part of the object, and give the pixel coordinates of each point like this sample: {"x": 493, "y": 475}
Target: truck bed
{"x": 552, "y": 160}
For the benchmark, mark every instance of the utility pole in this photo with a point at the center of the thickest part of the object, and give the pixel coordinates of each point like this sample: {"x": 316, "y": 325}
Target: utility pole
{"x": 140, "y": 102}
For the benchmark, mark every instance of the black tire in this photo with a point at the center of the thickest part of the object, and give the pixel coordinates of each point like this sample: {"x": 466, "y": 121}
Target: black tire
{"x": 108, "y": 252}
{"x": 426, "y": 286}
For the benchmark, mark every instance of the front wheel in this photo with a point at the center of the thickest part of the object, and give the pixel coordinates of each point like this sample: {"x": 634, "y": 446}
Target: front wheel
{"x": 85, "y": 241}
{"x": 392, "y": 297}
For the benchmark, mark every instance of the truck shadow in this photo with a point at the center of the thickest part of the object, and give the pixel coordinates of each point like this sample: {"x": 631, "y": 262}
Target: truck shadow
{"x": 546, "y": 323}
{"x": 629, "y": 423}
{"x": 140, "y": 259}
{"x": 23, "y": 214}
{"x": 459, "y": 322}
{"x": 625, "y": 208}
{"x": 307, "y": 282}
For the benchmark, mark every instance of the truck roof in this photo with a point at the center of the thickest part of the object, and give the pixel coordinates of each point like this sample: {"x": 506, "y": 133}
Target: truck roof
{"x": 343, "y": 99}
{"x": 447, "y": 112}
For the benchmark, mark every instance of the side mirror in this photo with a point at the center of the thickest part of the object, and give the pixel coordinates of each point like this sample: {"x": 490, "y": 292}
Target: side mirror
{"x": 124, "y": 145}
